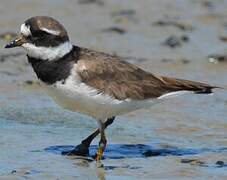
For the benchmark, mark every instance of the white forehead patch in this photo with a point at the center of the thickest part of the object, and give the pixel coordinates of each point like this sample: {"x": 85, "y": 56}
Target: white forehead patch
{"x": 25, "y": 30}
{"x": 56, "y": 33}
{"x": 47, "y": 53}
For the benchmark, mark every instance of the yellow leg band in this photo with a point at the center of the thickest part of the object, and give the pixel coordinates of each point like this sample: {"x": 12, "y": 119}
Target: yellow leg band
{"x": 99, "y": 154}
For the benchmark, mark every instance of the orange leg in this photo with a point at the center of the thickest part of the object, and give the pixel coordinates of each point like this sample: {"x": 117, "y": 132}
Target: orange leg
{"x": 102, "y": 143}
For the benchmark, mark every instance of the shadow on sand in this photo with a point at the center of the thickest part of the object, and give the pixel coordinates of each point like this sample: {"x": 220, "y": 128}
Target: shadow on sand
{"x": 120, "y": 151}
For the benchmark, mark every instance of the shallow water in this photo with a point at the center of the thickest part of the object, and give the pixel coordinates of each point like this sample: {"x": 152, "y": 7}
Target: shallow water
{"x": 181, "y": 138}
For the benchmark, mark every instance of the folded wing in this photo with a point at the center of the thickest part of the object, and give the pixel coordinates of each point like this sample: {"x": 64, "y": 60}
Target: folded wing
{"x": 123, "y": 80}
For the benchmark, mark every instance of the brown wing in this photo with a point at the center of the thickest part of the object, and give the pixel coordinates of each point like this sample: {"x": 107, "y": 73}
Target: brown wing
{"x": 123, "y": 80}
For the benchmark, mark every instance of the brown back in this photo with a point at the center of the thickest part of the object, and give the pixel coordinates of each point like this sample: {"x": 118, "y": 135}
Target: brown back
{"x": 123, "y": 80}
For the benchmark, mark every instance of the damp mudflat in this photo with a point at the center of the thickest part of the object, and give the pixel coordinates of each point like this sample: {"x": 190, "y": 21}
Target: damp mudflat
{"x": 182, "y": 138}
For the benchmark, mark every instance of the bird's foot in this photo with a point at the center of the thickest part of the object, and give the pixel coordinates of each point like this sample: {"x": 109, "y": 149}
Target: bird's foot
{"x": 79, "y": 150}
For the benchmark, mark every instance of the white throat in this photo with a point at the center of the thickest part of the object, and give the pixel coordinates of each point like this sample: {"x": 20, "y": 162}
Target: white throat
{"x": 48, "y": 53}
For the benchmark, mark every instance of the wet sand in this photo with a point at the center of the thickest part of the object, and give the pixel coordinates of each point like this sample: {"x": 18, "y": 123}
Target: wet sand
{"x": 182, "y": 138}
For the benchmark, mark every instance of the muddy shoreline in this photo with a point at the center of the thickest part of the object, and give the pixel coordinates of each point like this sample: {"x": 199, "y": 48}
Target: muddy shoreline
{"x": 183, "y": 138}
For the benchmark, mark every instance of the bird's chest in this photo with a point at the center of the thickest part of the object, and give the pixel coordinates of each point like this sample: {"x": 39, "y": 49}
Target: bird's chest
{"x": 68, "y": 97}
{"x": 74, "y": 95}
{"x": 50, "y": 72}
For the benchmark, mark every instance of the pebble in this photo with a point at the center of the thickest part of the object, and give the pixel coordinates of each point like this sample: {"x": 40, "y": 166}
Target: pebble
{"x": 124, "y": 16}
{"x": 208, "y": 4}
{"x": 181, "y": 26}
{"x": 185, "y": 61}
{"x": 126, "y": 12}
{"x": 99, "y": 2}
{"x": 217, "y": 58}
{"x": 117, "y": 30}
{"x": 172, "y": 42}
{"x": 223, "y": 38}
{"x": 185, "y": 38}
{"x": 194, "y": 162}
{"x": 29, "y": 82}
{"x": 221, "y": 164}
{"x": 13, "y": 171}
{"x": 166, "y": 60}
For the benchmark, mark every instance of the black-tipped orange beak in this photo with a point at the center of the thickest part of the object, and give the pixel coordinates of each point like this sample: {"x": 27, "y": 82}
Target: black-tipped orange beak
{"x": 16, "y": 42}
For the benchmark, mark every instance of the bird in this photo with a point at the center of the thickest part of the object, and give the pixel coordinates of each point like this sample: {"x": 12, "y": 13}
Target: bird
{"x": 93, "y": 83}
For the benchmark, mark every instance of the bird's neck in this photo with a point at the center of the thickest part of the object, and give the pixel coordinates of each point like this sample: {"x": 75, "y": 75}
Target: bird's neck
{"x": 48, "y": 53}
{"x": 50, "y": 72}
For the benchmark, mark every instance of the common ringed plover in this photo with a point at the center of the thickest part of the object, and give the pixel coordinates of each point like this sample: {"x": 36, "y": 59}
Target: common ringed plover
{"x": 90, "y": 82}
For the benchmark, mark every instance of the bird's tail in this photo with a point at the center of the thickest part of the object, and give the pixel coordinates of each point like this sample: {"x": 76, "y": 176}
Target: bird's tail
{"x": 186, "y": 85}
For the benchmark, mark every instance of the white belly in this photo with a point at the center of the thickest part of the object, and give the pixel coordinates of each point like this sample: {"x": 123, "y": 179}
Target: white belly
{"x": 89, "y": 102}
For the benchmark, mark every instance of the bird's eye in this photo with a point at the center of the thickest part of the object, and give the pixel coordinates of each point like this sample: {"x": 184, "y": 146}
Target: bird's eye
{"x": 39, "y": 33}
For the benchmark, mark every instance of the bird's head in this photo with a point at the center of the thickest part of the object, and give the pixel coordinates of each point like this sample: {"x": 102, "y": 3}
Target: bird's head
{"x": 43, "y": 38}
